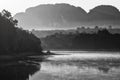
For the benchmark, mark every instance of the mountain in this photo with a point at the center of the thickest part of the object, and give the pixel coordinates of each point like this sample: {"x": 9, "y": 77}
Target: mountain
{"x": 64, "y": 16}
{"x": 104, "y": 15}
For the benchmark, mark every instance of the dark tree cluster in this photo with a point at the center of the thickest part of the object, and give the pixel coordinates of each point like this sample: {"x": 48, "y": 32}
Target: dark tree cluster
{"x": 15, "y": 40}
{"x": 101, "y": 40}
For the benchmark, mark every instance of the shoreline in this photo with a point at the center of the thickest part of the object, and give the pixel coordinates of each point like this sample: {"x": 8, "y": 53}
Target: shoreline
{"x": 83, "y": 50}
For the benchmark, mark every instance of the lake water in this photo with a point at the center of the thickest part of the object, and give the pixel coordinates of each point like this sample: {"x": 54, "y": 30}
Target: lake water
{"x": 79, "y": 65}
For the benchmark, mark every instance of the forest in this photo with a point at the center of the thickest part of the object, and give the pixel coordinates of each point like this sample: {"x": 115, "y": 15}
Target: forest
{"x": 14, "y": 40}
{"x": 97, "y": 41}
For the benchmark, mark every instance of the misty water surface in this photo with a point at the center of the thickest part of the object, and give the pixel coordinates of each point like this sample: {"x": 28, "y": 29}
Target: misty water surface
{"x": 80, "y": 65}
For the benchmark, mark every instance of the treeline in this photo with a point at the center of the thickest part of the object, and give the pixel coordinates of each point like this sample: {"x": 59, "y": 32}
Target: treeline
{"x": 14, "y": 39}
{"x": 100, "y": 40}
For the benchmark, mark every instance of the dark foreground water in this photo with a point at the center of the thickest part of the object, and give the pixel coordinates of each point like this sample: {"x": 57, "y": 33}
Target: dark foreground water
{"x": 17, "y": 70}
{"x": 74, "y": 65}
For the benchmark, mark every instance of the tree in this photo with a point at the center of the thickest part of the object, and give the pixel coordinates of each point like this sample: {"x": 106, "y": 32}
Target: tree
{"x": 6, "y": 14}
{"x": 14, "y": 39}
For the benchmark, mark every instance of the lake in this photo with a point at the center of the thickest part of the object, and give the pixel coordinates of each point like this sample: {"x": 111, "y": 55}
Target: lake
{"x": 79, "y": 65}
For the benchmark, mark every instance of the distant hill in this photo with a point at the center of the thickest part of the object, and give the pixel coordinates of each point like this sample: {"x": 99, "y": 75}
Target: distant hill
{"x": 64, "y": 16}
{"x": 104, "y": 15}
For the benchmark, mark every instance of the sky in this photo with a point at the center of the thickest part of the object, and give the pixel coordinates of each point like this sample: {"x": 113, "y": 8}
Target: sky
{"x": 15, "y": 6}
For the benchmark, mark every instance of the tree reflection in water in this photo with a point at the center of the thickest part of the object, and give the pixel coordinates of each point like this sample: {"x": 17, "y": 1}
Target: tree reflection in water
{"x": 18, "y": 71}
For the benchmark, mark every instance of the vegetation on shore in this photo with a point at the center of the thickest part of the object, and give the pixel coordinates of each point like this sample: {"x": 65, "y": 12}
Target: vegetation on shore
{"x": 13, "y": 40}
{"x": 102, "y": 40}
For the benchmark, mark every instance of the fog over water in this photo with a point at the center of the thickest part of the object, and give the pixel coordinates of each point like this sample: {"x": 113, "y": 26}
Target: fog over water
{"x": 80, "y": 65}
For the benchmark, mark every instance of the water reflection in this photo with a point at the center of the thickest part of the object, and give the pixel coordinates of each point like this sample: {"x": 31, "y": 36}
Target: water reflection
{"x": 54, "y": 70}
{"x": 64, "y": 67}
{"x": 18, "y": 71}
{"x": 104, "y": 69}
{"x": 80, "y": 67}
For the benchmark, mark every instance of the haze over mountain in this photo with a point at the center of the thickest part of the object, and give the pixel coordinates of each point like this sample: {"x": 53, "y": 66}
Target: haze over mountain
{"x": 64, "y": 16}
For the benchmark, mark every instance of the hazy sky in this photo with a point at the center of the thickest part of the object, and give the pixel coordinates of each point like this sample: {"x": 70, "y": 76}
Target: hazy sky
{"x": 15, "y": 6}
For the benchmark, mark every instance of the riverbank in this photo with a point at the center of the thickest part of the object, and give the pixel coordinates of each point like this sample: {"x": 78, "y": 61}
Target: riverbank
{"x": 84, "y": 50}
{"x": 10, "y": 59}
{"x": 25, "y": 56}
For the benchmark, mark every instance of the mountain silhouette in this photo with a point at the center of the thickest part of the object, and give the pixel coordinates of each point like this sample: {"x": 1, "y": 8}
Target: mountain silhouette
{"x": 63, "y": 16}
{"x": 104, "y": 15}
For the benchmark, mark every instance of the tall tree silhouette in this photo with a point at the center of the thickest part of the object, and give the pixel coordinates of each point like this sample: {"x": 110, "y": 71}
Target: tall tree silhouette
{"x": 14, "y": 39}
